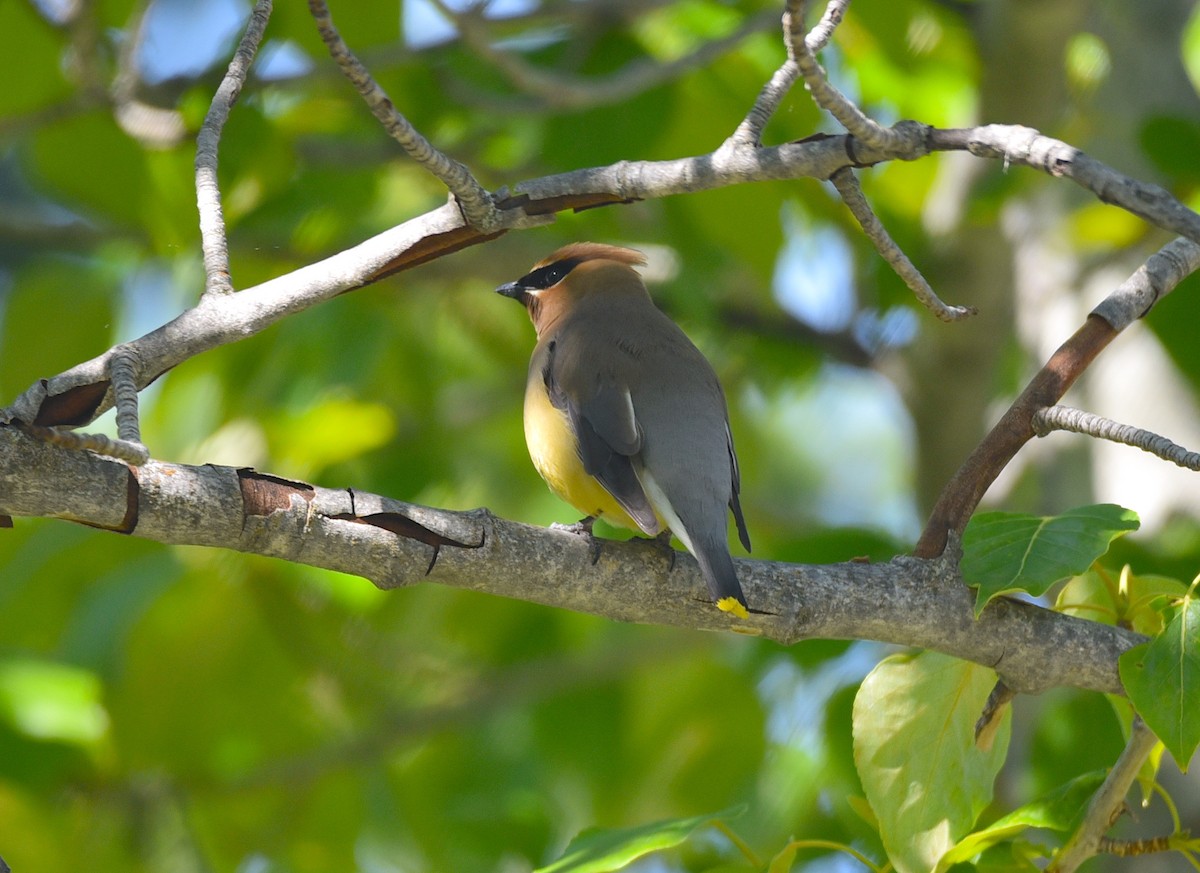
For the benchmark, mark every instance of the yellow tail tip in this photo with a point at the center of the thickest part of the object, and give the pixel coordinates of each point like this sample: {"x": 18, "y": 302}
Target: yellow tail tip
{"x": 731, "y": 605}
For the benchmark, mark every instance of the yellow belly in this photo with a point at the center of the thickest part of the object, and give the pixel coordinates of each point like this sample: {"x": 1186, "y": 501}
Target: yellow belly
{"x": 552, "y": 449}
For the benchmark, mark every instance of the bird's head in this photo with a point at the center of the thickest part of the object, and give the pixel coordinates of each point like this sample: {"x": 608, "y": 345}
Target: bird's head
{"x": 557, "y": 283}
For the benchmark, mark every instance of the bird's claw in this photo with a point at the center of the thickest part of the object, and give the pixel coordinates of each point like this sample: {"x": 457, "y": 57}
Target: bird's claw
{"x": 583, "y": 527}
{"x": 662, "y": 542}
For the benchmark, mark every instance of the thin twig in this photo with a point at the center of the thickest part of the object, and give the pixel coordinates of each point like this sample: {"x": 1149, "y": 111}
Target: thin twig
{"x": 561, "y": 90}
{"x": 833, "y": 101}
{"x": 1054, "y": 418}
{"x": 473, "y": 199}
{"x": 217, "y": 279}
{"x": 749, "y": 132}
{"x": 132, "y": 453}
{"x": 1108, "y": 802}
{"x": 847, "y": 185}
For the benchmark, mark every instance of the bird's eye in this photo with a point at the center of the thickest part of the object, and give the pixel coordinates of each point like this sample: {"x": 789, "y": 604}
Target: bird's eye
{"x": 549, "y": 275}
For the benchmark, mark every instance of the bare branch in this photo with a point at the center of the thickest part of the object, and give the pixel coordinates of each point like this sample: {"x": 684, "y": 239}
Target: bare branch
{"x": 749, "y": 132}
{"x": 1077, "y": 421}
{"x": 561, "y": 90}
{"x": 1023, "y": 145}
{"x": 819, "y": 36}
{"x": 1107, "y": 803}
{"x": 131, "y": 452}
{"x": 474, "y": 200}
{"x": 912, "y": 602}
{"x": 81, "y": 393}
{"x": 847, "y": 185}
{"x": 217, "y": 279}
{"x": 156, "y": 126}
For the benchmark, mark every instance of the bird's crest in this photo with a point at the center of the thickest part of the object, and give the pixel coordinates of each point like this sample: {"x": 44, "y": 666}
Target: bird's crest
{"x": 589, "y": 251}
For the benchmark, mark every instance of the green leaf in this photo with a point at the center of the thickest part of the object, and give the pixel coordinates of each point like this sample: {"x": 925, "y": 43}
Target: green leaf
{"x": 914, "y": 746}
{"x": 1162, "y": 678}
{"x": 55, "y": 702}
{"x": 1004, "y": 551}
{"x": 1056, "y": 811}
{"x": 598, "y": 850}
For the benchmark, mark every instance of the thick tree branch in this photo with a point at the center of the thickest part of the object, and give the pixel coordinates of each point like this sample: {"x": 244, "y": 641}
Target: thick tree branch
{"x": 1022, "y": 145}
{"x": 962, "y": 494}
{"x": 906, "y": 601}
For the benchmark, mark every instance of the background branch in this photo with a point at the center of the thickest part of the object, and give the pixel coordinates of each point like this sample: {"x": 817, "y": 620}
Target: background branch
{"x": 80, "y": 394}
{"x": 559, "y": 89}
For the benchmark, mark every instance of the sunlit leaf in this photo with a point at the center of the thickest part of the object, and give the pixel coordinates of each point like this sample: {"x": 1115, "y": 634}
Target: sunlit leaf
{"x": 914, "y": 746}
{"x": 48, "y": 701}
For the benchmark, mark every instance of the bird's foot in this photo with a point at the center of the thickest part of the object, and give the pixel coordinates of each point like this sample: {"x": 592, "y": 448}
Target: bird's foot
{"x": 582, "y": 528}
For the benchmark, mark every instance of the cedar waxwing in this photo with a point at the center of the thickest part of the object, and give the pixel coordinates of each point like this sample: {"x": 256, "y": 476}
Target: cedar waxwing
{"x": 624, "y": 417}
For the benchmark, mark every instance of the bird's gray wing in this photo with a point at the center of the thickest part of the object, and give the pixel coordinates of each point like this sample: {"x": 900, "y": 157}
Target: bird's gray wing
{"x": 602, "y": 416}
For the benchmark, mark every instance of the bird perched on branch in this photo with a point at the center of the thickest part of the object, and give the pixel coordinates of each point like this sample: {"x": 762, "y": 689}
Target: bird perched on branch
{"x": 624, "y": 417}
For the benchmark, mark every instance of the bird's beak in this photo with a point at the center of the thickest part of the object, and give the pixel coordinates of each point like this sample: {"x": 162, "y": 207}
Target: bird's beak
{"x": 515, "y": 290}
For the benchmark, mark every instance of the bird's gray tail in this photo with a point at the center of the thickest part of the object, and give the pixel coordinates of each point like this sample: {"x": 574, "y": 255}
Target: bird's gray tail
{"x": 716, "y": 565}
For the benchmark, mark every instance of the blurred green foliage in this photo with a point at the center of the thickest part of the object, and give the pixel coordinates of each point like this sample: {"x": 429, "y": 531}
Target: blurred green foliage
{"x": 176, "y": 709}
